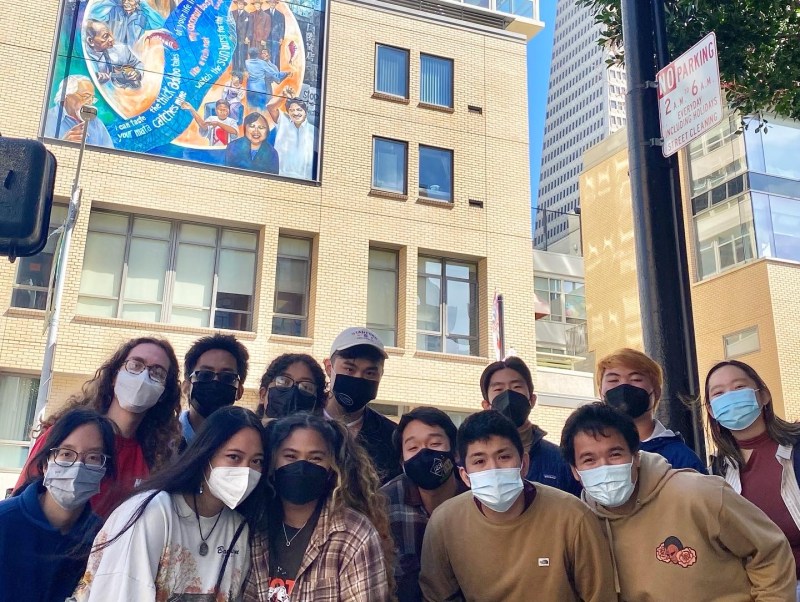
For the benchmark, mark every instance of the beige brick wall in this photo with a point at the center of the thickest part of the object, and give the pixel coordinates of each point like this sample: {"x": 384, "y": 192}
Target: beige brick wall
{"x": 491, "y": 164}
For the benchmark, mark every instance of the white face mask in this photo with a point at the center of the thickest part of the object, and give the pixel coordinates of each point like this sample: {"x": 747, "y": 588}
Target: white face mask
{"x": 610, "y": 485}
{"x": 136, "y": 393}
{"x": 232, "y": 484}
{"x": 497, "y": 488}
{"x": 72, "y": 486}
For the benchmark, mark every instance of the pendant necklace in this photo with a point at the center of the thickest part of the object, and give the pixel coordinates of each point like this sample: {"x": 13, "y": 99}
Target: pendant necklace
{"x": 286, "y": 537}
{"x": 203, "y": 545}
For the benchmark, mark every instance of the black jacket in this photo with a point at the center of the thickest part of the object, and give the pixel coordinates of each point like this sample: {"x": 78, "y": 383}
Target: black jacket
{"x": 376, "y": 437}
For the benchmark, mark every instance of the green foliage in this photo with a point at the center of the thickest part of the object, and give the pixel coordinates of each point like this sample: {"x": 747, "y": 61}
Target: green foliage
{"x": 758, "y": 41}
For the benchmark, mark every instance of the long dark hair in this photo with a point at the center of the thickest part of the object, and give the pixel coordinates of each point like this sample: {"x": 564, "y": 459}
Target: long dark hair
{"x": 356, "y": 482}
{"x": 160, "y": 428}
{"x": 63, "y": 428}
{"x": 188, "y": 472}
{"x": 779, "y": 430}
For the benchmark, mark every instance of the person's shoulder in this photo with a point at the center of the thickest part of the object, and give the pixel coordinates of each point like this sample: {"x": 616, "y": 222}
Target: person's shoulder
{"x": 11, "y": 508}
{"x": 550, "y": 498}
{"x": 394, "y": 489}
{"x": 385, "y": 424}
{"x": 355, "y": 526}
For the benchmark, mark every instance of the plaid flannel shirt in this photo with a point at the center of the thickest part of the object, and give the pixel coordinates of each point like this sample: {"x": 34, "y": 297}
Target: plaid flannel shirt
{"x": 343, "y": 561}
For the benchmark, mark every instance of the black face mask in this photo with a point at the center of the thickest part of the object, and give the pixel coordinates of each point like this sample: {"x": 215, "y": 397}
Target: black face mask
{"x": 301, "y": 482}
{"x": 283, "y": 402}
{"x": 430, "y": 468}
{"x": 514, "y": 406}
{"x": 354, "y": 393}
{"x": 629, "y": 399}
{"x": 211, "y": 396}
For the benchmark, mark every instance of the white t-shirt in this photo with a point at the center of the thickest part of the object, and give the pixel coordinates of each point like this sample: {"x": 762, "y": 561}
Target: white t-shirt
{"x": 216, "y": 135}
{"x": 159, "y": 556}
{"x": 295, "y": 146}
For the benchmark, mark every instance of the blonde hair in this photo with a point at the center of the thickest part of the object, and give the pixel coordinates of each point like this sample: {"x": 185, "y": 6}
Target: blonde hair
{"x": 635, "y": 360}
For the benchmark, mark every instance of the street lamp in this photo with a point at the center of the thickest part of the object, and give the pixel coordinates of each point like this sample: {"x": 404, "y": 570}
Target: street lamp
{"x": 87, "y": 113}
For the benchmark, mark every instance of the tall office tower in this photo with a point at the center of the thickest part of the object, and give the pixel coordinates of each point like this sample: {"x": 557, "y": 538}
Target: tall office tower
{"x": 585, "y": 103}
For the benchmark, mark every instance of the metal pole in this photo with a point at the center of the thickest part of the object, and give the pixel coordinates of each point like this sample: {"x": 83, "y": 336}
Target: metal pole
{"x": 667, "y": 326}
{"x": 88, "y": 113}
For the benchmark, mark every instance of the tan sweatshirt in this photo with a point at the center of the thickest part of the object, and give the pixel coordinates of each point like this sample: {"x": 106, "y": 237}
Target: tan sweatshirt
{"x": 554, "y": 551}
{"x": 692, "y": 537}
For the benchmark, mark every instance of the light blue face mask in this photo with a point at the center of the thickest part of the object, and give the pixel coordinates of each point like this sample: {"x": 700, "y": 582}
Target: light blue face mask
{"x": 736, "y": 410}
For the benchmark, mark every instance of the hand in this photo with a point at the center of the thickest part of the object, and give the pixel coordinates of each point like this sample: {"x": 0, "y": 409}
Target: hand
{"x": 75, "y": 133}
{"x": 185, "y": 105}
{"x": 247, "y": 40}
{"x": 289, "y": 92}
{"x": 103, "y": 77}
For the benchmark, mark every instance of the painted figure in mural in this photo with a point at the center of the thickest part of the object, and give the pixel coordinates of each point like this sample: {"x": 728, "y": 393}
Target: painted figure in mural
{"x": 260, "y": 24}
{"x": 127, "y": 19}
{"x": 114, "y": 62}
{"x": 277, "y": 29}
{"x": 64, "y": 117}
{"x": 234, "y": 94}
{"x": 241, "y": 19}
{"x": 294, "y": 137}
{"x": 219, "y": 129}
{"x": 261, "y": 74}
{"x": 253, "y": 152}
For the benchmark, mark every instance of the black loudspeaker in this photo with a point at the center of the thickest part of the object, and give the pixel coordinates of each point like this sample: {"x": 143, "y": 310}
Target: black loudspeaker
{"x": 27, "y": 177}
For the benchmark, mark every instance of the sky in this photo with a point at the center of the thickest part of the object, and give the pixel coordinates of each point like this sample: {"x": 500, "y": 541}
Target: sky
{"x": 539, "y": 54}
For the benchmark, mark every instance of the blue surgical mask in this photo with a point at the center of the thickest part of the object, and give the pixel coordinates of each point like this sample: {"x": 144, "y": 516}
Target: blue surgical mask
{"x": 736, "y": 410}
{"x": 610, "y": 485}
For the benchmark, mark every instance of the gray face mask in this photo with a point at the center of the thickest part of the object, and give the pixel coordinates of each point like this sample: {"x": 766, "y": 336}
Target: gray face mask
{"x": 72, "y": 486}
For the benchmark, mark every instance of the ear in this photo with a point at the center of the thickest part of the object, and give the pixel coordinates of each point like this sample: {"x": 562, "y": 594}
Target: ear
{"x": 186, "y": 387}
{"x": 533, "y": 400}
{"x": 239, "y": 391}
{"x": 464, "y": 476}
{"x": 575, "y": 473}
{"x": 525, "y": 464}
{"x": 327, "y": 363}
{"x": 485, "y": 404}
{"x": 262, "y": 396}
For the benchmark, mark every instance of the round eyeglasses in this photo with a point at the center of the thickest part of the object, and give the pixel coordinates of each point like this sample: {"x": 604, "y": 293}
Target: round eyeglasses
{"x": 67, "y": 457}
{"x": 155, "y": 372}
{"x": 287, "y": 382}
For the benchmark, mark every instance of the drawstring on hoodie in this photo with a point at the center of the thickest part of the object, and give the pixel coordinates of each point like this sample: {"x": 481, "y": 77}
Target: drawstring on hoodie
{"x": 613, "y": 556}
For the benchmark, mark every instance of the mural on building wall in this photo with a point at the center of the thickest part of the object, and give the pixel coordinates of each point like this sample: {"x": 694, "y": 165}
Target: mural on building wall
{"x": 222, "y": 82}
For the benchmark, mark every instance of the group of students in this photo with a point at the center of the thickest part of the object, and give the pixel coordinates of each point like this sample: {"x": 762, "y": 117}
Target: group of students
{"x": 318, "y": 497}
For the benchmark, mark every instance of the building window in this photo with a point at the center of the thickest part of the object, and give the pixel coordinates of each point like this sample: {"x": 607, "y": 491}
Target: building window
{"x": 436, "y": 81}
{"x": 33, "y": 273}
{"x": 155, "y": 270}
{"x": 741, "y": 343}
{"x": 436, "y": 173}
{"x": 447, "y": 306}
{"x": 18, "y": 400}
{"x": 382, "y": 295}
{"x": 292, "y": 285}
{"x": 389, "y": 161}
{"x": 565, "y": 300}
{"x": 725, "y": 236}
{"x": 391, "y": 71}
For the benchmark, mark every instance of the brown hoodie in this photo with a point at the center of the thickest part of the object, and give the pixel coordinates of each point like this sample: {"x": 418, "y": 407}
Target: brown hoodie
{"x": 692, "y": 537}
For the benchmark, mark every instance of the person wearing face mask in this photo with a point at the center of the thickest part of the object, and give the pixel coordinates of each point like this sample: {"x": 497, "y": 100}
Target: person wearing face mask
{"x": 631, "y": 382}
{"x": 355, "y": 368}
{"x": 511, "y": 539}
{"x": 326, "y": 536}
{"x": 46, "y": 529}
{"x": 293, "y": 382}
{"x": 137, "y": 389}
{"x": 214, "y": 370}
{"x": 426, "y": 440}
{"x": 185, "y": 535}
{"x": 756, "y": 450}
{"x": 507, "y": 386}
{"x": 674, "y": 533}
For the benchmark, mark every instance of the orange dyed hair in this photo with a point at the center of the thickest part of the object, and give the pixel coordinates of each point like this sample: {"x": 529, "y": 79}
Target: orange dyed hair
{"x": 635, "y": 360}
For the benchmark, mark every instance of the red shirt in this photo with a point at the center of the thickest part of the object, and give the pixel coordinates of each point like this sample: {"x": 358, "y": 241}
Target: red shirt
{"x": 761, "y": 484}
{"x": 131, "y": 468}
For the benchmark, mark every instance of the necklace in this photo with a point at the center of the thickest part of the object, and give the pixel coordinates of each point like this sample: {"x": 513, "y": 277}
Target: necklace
{"x": 286, "y": 537}
{"x": 203, "y": 545}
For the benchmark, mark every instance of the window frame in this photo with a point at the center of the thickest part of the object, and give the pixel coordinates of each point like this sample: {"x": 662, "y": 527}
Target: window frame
{"x": 373, "y": 185}
{"x": 726, "y": 343}
{"x": 444, "y": 333}
{"x": 30, "y": 413}
{"x": 307, "y": 294}
{"x": 452, "y": 198}
{"x": 452, "y": 84}
{"x": 396, "y": 272}
{"x": 167, "y": 303}
{"x": 391, "y": 95}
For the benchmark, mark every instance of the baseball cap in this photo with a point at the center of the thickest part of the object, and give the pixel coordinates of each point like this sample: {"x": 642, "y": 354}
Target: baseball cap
{"x": 357, "y": 335}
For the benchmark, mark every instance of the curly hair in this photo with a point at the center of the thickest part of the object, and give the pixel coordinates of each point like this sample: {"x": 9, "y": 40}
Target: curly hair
{"x": 282, "y": 362}
{"x": 160, "y": 430}
{"x": 356, "y": 480}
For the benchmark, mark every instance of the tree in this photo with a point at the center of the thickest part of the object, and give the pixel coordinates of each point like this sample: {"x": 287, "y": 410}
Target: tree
{"x": 758, "y": 42}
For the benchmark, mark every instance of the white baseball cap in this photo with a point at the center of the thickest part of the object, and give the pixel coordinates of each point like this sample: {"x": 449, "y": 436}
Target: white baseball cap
{"x": 357, "y": 335}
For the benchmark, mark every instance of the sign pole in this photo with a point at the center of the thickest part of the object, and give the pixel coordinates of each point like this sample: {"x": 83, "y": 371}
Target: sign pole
{"x": 662, "y": 266}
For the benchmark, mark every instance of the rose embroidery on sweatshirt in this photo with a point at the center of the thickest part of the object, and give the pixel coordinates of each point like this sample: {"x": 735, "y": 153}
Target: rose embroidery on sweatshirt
{"x": 672, "y": 551}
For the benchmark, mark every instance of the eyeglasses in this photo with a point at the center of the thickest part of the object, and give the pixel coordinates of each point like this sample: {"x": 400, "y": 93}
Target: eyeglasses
{"x": 286, "y": 382}
{"x": 67, "y": 457}
{"x": 206, "y": 376}
{"x": 155, "y": 372}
